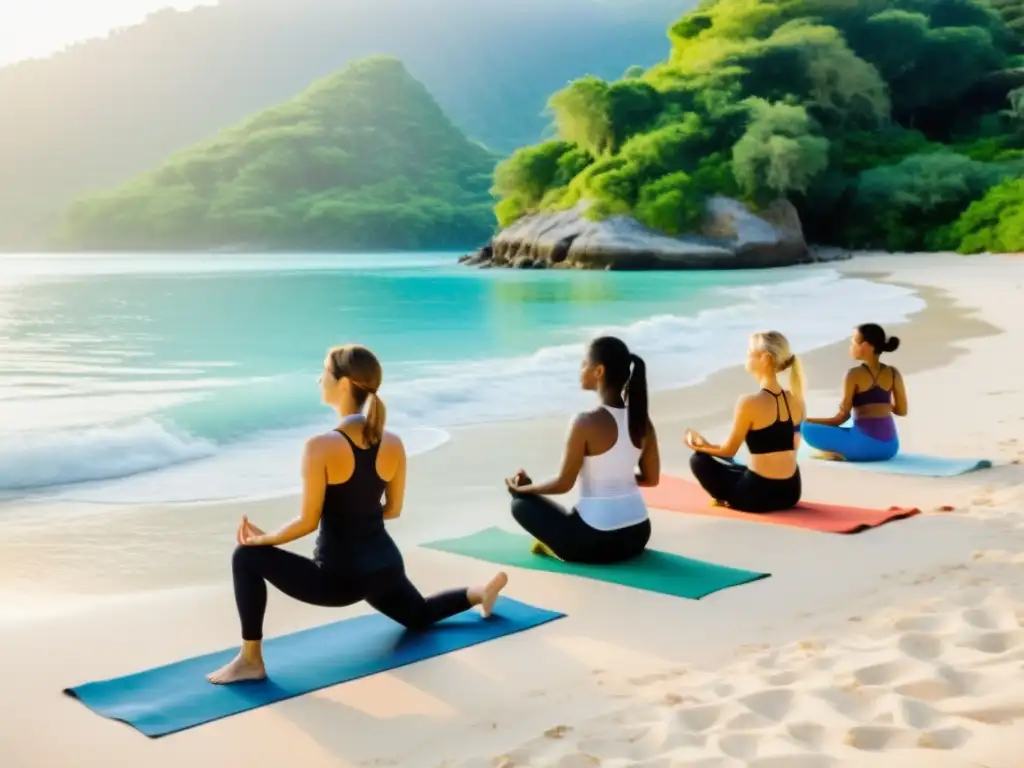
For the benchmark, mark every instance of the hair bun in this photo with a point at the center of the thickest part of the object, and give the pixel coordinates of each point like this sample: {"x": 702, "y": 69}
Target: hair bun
{"x": 892, "y": 344}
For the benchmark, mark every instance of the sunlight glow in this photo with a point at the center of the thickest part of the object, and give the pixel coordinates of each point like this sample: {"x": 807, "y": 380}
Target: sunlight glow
{"x": 42, "y": 27}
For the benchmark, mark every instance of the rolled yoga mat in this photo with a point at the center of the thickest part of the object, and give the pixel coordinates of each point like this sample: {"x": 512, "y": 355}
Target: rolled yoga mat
{"x": 653, "y": 571}
{"x": 678, "y": 495}
{"x": 178, "y": 696}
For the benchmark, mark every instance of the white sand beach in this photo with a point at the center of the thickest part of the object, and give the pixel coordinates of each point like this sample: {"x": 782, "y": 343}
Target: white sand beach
{"x": 900, "y": 646}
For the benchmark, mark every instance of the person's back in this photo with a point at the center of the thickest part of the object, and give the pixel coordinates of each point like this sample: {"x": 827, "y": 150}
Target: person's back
{"x": 351, "y": 535}
{"x": 609, "y": 495}
{"x": 872, "y": 400}
{"x": 610, "y": 451}
{"x": 873, "y": 393}
{"x": 774, "y": 433}
{"x": 769, "y": 423}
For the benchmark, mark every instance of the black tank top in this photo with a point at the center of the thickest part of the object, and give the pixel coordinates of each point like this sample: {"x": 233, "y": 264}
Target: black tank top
{"x": 352, "y": 536}
{"x": 780, "y": 435}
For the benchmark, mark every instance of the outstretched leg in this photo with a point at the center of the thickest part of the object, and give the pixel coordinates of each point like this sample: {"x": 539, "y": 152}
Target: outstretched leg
{"x": 296, "y": 576}
{"x": 403, "y": 603}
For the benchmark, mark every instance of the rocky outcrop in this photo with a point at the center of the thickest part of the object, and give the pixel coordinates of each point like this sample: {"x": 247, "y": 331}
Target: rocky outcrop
{"x": 731, "y": 237}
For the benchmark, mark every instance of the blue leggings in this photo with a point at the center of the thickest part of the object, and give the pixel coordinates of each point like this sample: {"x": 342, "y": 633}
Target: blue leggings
{"x": 849, "y": 442}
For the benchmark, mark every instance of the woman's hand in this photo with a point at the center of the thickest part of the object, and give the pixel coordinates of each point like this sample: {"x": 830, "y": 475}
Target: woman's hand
{"x": 694, "y": 439}
{"x": 518, "y": 480}
{"x": 248, "y": 535}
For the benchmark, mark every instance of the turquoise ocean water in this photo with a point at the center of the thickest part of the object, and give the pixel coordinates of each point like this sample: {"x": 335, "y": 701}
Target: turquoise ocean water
{"x": 170, "y": 377}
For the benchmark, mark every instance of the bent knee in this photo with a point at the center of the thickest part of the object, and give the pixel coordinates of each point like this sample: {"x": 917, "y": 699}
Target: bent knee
{"x": 520, "y": 507}
{"x": 699, "y": 460}
{"x": 244, "y": 557}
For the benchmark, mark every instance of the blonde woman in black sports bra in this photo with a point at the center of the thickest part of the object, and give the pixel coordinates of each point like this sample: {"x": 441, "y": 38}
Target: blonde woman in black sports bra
{"x": 769, "y": 422}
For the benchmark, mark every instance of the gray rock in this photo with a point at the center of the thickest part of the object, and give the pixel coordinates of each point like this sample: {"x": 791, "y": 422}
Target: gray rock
{"x": 731, "y": 237}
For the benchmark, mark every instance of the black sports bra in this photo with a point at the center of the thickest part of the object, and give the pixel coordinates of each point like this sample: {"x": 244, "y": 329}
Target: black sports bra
{"x": 777, "y": 436}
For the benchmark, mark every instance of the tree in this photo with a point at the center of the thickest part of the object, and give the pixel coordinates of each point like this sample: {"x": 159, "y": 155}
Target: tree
{"x": 582, "y": 113}
{"x": 780, "y": 151}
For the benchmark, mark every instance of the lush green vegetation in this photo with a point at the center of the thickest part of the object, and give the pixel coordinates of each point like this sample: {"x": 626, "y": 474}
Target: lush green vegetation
{"x": 364, "y": 159}
{"x": 893, "y": 124}
{"x": 103, "y": 111}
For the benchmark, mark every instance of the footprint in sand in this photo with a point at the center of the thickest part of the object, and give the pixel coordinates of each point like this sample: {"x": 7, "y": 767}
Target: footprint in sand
{"x": 995, "y": 642}
{"x": 748, "y": 721}
{"x": 772, "y": 704}
{"x": 875, "y": 738}
{"x": 986, "y": 618}
{"x": 920, "y": 646}
{"x": 848, "y": 705}
{"x": 916, "y": 714}
{"x": 742, "y": 746}
{"x": 810, "y": 734}
{"x": 952, "y": 737}
{"x": 782, "y": 678}
{"x": 699, "y": 718}
{"x": 883, "y": 673}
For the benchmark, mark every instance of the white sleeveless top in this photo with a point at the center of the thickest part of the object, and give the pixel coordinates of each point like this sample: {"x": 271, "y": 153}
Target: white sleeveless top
{"x": 609, "y": 496}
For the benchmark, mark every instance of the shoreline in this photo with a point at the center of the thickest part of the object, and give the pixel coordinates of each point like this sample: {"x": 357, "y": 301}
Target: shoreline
{"x": 621, "y": 679}
{"x": 265, "y": 457}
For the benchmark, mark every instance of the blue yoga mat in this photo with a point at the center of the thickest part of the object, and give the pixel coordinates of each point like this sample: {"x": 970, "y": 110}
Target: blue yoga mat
{"x": 178, "y": 696}
{"x": 911, "y": 464}
{"x": 919, "y": 464}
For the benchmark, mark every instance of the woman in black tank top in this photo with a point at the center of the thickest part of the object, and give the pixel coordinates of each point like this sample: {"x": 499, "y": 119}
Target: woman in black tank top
{"x": 354, "y": 558}
{"x": 729, "y": 482}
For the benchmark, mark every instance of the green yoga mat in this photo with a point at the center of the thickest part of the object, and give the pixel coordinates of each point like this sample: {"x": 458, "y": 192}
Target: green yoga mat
{"x": 653, "y": 571}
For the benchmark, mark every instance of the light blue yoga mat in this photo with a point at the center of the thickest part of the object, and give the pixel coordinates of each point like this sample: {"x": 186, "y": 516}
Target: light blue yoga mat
{"x": 653, "y": 571}
{"x": 907, "y": 464}
{"x": 178, "y": 696}
{"x": 919, "y": 464}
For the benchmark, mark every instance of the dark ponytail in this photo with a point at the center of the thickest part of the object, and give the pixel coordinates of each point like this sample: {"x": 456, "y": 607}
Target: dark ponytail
{"x": 636, "y": 397}
{"x": 874, "y": 335}
{"x": 625, "y": 373}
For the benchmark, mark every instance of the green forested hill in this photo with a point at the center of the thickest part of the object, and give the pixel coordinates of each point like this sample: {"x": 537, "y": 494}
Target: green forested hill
{"x": 893, "y": 124}
{"x": 103, "y": 111}
{"x": 363, "y": 159}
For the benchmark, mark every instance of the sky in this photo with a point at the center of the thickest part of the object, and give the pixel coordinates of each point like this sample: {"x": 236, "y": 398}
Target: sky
{"x": 31, "y": 28}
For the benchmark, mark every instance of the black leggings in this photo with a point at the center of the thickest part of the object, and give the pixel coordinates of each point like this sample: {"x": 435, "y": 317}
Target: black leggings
{"x": 389, "y": 591}
{"x": 569, "y": 537}
{"x": 732, "y": 483}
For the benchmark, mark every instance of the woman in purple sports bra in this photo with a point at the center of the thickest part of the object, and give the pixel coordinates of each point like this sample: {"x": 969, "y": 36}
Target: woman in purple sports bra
{"x": 873, "y": 393}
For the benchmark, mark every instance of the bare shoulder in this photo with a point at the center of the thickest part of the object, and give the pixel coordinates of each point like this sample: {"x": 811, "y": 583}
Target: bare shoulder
{"x": 744, "y": 402}
{"x": 391, "y": 443}
{"x": 323, "y": 443}
{"x": 320, "y": 448}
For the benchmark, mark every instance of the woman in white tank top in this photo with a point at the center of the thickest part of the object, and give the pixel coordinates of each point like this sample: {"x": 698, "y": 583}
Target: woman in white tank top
{"x": 612, "y": 450}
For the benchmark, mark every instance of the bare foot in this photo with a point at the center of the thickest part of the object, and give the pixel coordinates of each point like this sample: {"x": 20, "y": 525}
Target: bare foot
{"x": 237, "y": 670}
{"x": 829, "y": 456}
{"x": 540, "y": 548}
{"x": 489, "y": 594}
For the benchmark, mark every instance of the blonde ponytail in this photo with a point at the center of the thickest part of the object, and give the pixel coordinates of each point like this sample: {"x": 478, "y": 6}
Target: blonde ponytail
{"x": 777, "y": 346}
{"x": 376, "y": 414}
{"x": 797, "y": 382}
